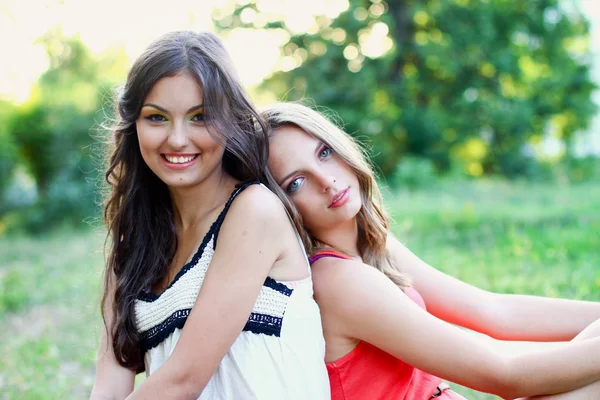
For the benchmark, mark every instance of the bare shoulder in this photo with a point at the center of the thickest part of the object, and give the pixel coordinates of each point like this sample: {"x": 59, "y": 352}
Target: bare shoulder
{"x": 332, "y": 269}
{"x": 256, "y": 202}
{"x": 258, "y": 198}
{"x": 347, "y": 286}
{"x": 393, "y": 245}
{"x": 256, "y": 217}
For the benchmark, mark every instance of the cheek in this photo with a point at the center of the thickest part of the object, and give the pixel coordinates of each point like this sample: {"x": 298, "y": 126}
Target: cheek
{"x": 345, "y": 171}
{"x": 204, "y": 142}
{"x": 149, "y": 138}
{"x": 306, "y": 208}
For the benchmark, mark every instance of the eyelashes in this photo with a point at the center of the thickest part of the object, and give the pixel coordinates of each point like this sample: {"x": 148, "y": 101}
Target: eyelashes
{"x": 198, "y": 117}
{"x": 323, "y": 153}
{"x": 157, "y": 118}
{"x": 294, "y": 185}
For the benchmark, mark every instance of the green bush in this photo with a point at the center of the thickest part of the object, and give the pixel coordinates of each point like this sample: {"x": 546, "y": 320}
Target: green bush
{"x": 568, "y": 169}
{"x": 581, "y": 169}
{"x": 52, "y": 134}
{"x": 13, "y": 293}
{"x": 413, "y": 173}
{"x": 54, "y": 143}
{"x": 8, "y": 161}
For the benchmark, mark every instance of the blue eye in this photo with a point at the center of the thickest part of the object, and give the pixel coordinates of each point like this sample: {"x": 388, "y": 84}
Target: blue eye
{"x": 155, "y": 118}
{"x": 325, "y": 152}
{"x": 294, "y": 185}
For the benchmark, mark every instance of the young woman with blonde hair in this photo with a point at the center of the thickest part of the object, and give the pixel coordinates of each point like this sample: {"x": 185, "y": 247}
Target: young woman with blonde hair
{"x": 386, "y": 314}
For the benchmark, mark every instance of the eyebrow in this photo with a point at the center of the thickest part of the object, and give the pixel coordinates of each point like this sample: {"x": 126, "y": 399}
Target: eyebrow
{"x": 159, "y": 108}
{"x": 319, "y": 145}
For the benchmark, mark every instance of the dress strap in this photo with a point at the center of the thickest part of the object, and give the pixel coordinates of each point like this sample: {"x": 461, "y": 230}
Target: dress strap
{"x": 221, "y": 216}
{"x": 327, "y": 253}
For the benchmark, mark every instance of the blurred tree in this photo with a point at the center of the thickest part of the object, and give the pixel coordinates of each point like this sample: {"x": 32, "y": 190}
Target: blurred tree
{"x": 54, "y": 130}
{"x": 459, "y": 80}
{"x": 8, "y": 153}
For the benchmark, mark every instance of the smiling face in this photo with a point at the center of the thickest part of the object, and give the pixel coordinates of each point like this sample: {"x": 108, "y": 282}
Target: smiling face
{"x": 321, "y": 185}
{"x": 173, "y": 137}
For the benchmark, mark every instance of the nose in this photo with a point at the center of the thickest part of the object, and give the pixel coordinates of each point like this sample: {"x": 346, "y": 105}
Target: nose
{"x": 327, "y": 182}
{"x": 178, "y": 137}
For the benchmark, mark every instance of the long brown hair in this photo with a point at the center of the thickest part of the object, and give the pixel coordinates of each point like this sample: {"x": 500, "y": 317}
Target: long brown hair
{"x": 372, "y": 219}
{"x": 141, "y": 240}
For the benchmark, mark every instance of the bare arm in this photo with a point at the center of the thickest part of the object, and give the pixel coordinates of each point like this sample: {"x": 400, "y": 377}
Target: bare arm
{"x": 368, "y": 306}
{"x": 245, "y": 253}
{"x": 501, "y": 316}
{"x": 112, "y": 381}
{"x": 533, "y": 318}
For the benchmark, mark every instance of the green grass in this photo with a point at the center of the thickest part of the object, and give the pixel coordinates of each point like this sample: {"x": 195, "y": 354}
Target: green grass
{"x": 529, "y": 239}
{"x": 49, "y": 315}
{"x": 509, "y": 238}
{"x": 515, "y": 238}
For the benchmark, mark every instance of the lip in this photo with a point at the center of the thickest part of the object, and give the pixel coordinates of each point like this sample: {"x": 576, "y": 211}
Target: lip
{"x": 178, "y": 166}
{"x": 340, "y": 198}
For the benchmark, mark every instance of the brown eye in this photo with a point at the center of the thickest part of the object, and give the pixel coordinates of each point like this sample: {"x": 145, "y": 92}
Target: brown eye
{"x": 155, "y": 118}
{"x": 198, "y": 117}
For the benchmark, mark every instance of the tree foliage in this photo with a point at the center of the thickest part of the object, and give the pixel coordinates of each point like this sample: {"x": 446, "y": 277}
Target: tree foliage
{"x": 8, "y": 152}
{"x": 473, "y": 82}
{"x": 53, "y": 134}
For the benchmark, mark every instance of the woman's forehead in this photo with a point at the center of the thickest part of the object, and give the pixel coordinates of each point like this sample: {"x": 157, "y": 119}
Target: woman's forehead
{"x": 290, "y": 147}
{"x": 177, "y": 89}
{"x": 291, "y": 135}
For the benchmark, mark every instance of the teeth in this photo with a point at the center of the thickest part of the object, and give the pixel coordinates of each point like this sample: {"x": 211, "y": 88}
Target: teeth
{"x": 339, "y": 196}
{"x": 179, "y": 160}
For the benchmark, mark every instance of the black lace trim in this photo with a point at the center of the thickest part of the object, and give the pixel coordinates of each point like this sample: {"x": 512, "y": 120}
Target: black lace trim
{"x": 257, "y": 323}
{"x": 214, "y": 229}
{"x": 155, "y": 335}
{"x": 265, "y": 324}
{"x": 278, "y": 286}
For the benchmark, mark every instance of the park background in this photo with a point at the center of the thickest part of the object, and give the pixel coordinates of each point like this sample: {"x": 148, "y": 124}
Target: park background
{"x": 480, "y": 115}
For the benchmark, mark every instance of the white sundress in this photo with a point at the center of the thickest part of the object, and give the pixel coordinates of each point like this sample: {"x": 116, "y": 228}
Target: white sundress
{"x": 278, "y": 355}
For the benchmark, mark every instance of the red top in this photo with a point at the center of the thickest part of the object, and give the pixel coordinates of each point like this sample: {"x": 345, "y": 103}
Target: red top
{"x": 370, "y": 373}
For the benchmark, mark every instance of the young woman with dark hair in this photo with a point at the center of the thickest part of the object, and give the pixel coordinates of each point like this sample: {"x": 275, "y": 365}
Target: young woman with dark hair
{"x": 207, "y": 287}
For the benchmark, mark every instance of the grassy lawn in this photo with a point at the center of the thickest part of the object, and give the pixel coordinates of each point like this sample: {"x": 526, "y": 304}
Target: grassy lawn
{"x": 509, "y": 238}
{"x": 49, "y": 314}
{"x": 516, "y": 238}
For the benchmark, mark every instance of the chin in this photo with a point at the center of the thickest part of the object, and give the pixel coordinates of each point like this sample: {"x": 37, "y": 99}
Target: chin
{"x": 355, "y": 207}
{"x": 176, "y": 183}
{"x": 350, "y": 214}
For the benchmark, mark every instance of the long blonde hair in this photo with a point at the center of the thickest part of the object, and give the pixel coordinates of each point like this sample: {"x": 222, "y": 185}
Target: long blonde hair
{"x": 372, "y": 220}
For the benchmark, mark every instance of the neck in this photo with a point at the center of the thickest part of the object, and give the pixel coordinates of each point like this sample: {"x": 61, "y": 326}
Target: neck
{"x": 190, "y": 204}
{"x": 343, "y": 237}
